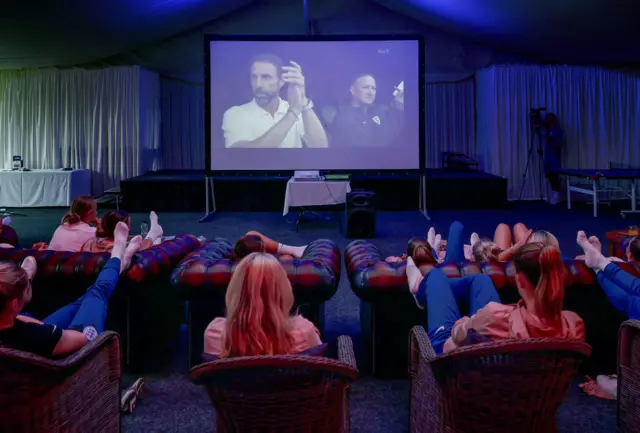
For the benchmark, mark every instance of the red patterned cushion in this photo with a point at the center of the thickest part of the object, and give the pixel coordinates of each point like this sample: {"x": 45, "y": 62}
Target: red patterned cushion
{"x": 8, "y": 235}
{"x": 208, "y": 269}
{"x": 371, "y": 277}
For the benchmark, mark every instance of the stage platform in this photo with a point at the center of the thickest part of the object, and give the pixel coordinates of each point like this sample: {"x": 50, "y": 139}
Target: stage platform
{"x": 184, "y": 190}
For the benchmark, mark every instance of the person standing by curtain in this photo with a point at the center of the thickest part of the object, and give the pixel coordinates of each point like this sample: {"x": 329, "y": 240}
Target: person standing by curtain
{"x": 554, "y": 142}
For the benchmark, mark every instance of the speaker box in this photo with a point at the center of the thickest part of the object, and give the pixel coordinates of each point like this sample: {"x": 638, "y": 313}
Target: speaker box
{"x": 361, "y": 214}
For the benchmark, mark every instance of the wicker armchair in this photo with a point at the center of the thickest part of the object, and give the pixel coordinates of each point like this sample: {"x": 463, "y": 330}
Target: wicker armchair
{"x": 505, "y": 386}
{"x": 80, "y": 393}
{"x": 629, "y": 376}
{"x": 292, "y": 393}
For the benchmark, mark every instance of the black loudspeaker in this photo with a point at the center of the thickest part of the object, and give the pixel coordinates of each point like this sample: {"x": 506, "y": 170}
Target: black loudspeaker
{"x": 361, "y": 214}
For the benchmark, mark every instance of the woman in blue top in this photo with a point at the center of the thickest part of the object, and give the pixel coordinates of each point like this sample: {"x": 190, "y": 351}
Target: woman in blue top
{"x": 622, "y": 288}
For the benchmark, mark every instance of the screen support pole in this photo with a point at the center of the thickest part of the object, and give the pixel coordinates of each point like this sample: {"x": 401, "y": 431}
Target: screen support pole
{"x": 210, "y": 199}
{"x": 423, "y": 197}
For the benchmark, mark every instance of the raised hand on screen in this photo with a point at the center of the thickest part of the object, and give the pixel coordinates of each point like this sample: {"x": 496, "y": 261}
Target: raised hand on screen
{"x": 398, "y": 101}
{"x": 296, "y": 94}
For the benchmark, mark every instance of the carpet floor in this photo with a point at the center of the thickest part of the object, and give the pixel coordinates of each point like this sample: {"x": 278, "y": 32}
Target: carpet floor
{"x": 172, "y": 403}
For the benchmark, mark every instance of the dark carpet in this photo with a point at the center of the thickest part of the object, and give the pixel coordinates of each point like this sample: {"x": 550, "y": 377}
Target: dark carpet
{"x": 171, "y": 403}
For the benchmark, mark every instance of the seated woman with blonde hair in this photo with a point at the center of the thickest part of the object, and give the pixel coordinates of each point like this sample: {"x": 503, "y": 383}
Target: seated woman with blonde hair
{"x": 78, "y": 226}
{"x": 259, "y": 300}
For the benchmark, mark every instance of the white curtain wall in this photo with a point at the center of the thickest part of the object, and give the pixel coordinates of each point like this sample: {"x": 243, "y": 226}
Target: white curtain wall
{"x": 450, "y": 124}
{"x": 598, "y": 109}
{"x": 450, "y": 120}
{"x": 182, "y": 132}
{"x": 78, "y": 118}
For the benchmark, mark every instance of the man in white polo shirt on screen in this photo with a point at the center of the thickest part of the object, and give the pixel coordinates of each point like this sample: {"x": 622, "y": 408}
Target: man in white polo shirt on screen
{"x": 268, "y": 121}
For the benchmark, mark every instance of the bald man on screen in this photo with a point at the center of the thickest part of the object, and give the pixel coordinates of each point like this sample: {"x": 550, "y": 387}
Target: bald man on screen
{"x": 268, "y": 121}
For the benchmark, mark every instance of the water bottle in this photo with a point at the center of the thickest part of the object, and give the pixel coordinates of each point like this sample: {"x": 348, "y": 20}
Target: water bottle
{"x": 144, "y": 229}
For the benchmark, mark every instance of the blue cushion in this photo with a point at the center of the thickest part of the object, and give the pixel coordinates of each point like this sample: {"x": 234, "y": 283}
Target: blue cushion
{"x": 474, "y": 337}
{"x": 318, "y": 350}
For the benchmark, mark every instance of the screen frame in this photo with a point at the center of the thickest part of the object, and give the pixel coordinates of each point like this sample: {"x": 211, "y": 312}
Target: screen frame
{"x": 314, "y": 38}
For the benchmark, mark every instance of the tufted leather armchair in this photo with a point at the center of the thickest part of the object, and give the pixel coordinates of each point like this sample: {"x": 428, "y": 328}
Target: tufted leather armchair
{"x": 203, "y": 276}
{"x": 143, "y": 309}
{"x": 8, "y": 235}
{"x": 388, "y": 311}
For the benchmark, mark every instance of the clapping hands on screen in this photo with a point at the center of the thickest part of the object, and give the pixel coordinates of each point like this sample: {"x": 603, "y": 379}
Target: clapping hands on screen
{"x": 296, "y": 93}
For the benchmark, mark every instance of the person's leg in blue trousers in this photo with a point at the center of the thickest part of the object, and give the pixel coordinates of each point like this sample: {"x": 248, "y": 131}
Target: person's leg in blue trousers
{"x": 455, "y": 243}
{"x": 620, "y": 290}
{"x": 442, "y": 309}
{"x": 439, "y": 293}
{"x": 91, "y": 308}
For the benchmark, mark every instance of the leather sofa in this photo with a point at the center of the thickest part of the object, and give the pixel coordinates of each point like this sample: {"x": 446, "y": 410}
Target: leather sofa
{"x": 388, "y": 310}
{"x": 203, "y": 276}
{"x": 8, "y": 235}
{"x": 144, "y": 310}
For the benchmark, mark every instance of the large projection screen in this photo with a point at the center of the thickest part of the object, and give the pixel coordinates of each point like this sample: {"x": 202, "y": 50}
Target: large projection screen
{"x": 309, "y": 103}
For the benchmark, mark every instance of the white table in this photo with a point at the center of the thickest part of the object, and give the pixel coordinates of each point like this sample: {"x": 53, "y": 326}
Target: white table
{"x": 43, "y": 188}
{"x": 315, "y": 193}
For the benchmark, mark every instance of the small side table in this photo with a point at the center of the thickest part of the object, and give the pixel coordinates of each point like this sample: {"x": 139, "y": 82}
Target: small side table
{"x": 615, "y": 237}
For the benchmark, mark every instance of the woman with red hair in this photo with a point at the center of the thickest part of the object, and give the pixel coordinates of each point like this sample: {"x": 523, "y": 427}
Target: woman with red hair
{"x": 259, "y": 321}
{"x": 540, "y": 282}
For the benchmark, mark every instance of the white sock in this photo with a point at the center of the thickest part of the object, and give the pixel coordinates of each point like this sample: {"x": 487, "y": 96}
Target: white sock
{"x": 90, "y": 332}
{"x": 293, "y": 251}
{"x": 157, "y": 241}
{"x": 436, "y": 243}
{"x": 6, "y": 221}
{"x": 474, "y": 238}
{"x": 414, "y": 276}
{"x": 155, "y": 229}
{"x": 431, "y": 236}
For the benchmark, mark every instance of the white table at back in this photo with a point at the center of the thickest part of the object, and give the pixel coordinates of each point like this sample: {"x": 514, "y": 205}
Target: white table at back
{"x": 43, "y": 188}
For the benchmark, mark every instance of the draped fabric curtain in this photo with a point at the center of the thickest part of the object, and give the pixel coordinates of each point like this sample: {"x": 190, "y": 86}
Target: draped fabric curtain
{"x": 598, "y": 109}
{"x": 450, "y": 120}
{"x": 182, "y": 132}
{"x": 450, "y": 124}
{"x": 75, "y": 118}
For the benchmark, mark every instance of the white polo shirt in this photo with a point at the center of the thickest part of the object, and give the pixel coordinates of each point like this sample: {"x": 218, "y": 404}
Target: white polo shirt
{"x": 249, "y": 121}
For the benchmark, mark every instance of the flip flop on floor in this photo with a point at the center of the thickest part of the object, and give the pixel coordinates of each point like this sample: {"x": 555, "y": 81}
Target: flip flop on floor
{"x": 131, "y": 395}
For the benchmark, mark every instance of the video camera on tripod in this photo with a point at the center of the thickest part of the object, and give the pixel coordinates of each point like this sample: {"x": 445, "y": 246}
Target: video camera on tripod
{"x": 536, "y": 116}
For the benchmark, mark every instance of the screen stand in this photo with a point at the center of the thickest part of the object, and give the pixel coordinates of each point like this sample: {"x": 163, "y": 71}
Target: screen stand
{"x": 210, "y": 200}
{"x": 423, "y": 197}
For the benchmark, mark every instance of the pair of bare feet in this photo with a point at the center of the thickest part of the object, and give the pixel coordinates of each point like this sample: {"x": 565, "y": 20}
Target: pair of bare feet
{"x": 120, "y": 251}
{"x": 592, "y": 248}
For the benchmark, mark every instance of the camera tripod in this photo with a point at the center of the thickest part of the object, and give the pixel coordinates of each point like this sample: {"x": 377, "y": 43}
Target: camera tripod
{"x": 536, "y": 126}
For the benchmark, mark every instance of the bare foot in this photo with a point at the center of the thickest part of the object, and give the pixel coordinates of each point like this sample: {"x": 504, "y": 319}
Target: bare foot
{"x": 592, "y": 257}
{"x": 593, "y": 240}
{"x": 134, "y": 246}
{"x": 30, "y": 265}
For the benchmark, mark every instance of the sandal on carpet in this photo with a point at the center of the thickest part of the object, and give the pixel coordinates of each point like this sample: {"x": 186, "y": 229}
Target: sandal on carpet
{"x": 131, "y": 395}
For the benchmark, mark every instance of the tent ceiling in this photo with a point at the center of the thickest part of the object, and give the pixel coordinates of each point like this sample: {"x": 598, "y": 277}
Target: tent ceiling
{"x": 35, "y": 33}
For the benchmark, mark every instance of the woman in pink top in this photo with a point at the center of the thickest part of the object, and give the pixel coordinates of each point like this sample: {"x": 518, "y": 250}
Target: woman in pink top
{"x": 76, "y": 226}
{"x": 259, "y": 300}
{"x": 540, "y": 282}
